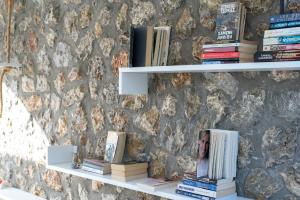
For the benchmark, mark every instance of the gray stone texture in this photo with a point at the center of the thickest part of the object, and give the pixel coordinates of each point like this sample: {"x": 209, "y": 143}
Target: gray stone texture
{"x": 67, "y": 93}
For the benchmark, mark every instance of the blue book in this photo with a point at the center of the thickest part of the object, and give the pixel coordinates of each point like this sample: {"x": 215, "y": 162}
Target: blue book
{"x": 199, "y": 184}
{"x": 193, "y": 195}
{"x": 285, "y": 18}
{"x": 285, "y": 25}
{"x": 282, "y": 40}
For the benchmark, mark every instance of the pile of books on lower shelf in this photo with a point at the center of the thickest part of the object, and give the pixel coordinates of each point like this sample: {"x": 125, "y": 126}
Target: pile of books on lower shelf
{"x": 129, "y": 171}
{"x": 282, "y": 41}
{"x": 203, "y": 188}
{"x": 96, "y": 166}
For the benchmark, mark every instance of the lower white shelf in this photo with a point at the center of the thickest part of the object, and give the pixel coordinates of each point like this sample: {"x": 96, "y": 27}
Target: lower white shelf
{"x": 15, "y": 194}
{"x": 57, "y": 153}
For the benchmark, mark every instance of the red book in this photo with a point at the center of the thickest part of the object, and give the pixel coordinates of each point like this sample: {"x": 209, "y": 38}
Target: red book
{"x": 220, "y": 55}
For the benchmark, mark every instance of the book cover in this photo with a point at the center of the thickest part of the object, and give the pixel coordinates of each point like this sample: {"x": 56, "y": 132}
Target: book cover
{"x": 228, "y": 21}
{"x": 284, "y": 25}
{"x": 285, "y": 18}
{"x": 282, "y": 40}
{"x": 114, "y": 148}
{"x": 281, "y": 47}
{"x": 154, "y": 184}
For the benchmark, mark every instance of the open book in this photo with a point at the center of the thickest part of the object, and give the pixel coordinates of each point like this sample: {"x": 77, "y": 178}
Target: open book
{"x": 217, "y": 154}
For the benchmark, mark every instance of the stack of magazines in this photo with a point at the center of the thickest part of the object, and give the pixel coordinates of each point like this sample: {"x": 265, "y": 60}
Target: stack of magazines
{"x": 206, "y": 189}
{"x": 96, "y": 166}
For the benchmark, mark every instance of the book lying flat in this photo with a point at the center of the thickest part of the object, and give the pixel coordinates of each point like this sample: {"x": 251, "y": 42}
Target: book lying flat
{"x": 131, "y": 166}
{"x": 154, "y": 184}
{"x": 129, "y": 178}
{"x": 129, "y": 172}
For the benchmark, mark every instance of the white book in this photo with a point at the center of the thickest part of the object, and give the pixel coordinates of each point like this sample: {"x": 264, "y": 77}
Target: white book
{"x": 236, "y": 44}
{"x": 282, "y": 32}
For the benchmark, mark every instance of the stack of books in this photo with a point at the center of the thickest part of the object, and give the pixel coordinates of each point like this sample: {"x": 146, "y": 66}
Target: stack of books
{"x": 282, "y": 41}
{"x": 129, "y": 171}
{"x": 230, "y": 25}
{"x": 96, "y": 166}
{"x": 203, "y": 188}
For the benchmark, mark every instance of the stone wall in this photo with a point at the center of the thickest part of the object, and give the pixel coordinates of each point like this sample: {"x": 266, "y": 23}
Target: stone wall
{"x": 67, "y": 92}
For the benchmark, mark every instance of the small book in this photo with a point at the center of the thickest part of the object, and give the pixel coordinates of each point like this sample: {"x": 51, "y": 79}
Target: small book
{"x": 129, "y": 178}
{"x": 130, "y": 166}
{"x": 115, "y": 144}
{"x": 154, "y": 184}
{"x": 229, "y": 22}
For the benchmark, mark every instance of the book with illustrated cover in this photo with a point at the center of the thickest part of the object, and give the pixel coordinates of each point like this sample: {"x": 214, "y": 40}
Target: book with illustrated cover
{"x": 115, "y": 144}
{"x": 229, "y": 21}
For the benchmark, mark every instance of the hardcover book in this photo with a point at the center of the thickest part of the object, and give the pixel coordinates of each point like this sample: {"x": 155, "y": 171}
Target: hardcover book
{"x": 228, "y": 21}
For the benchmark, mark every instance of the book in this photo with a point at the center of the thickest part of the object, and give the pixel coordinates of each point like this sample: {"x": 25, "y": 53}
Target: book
{"x": 94, "y": 166}
{"x": 97, "y": 171}
{"x": 226, "y": 55}
{"x": 114, "y": 148}
{"x": 280, "y": 47}
{"x": 157, "y": 34}
{"x": 129, "y": 178}
{"x": 274, "y": 56}
{"x": 217, "y": 154}
{"x": 284, "y": 18}
{"x": 230, "y": 49}
{"x": 289, "y": 6}
{"x": 201, "y": 197}
{"x": 282, "y": 40}
{"x": 210, "y": 62}
{"x": 129, "y": 172}
{"x": 282, "y": 32}
{"x": 284, "y": 25}
{"x": 208, "y": 193}
{"x": 154, "y": 184}
{"x": 97, "y": 162}
{"x": 228, "y": 21}
{"x": 252, "y": 46}
{"x": 131, "y": 166}
{"x": 164, "y": 47}
{"x": 140, "y": 41}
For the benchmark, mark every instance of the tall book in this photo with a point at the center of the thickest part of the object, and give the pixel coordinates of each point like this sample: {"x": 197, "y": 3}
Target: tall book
{"x": 161, "y": 45}
{"x": 217, "y": 154}
{"x": 141, "y": 44}
{"x": 230, "y": 19}
{"x": 115, "y": 144}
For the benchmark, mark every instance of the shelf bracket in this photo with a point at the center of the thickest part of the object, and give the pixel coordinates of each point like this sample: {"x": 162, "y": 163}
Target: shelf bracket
{"x": 133, "y": 83}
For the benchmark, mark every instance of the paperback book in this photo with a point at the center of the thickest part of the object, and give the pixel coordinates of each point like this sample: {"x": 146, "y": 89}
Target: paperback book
{"x": 230, "y": 21}
{"x": 275, "y": 56}
{"x": 114, "y": 148}
{"x": 154, "y": 184}
{"x": 285, "y": 25}
{"x": 278, "y": 47}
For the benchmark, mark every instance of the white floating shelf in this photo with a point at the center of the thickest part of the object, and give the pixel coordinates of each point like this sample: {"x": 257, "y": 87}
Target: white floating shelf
{"x": 13, "y": 65}
{"x": 59, "y": 159}
{"x": 134, "y": 80}
{"x": 15, "y": 194}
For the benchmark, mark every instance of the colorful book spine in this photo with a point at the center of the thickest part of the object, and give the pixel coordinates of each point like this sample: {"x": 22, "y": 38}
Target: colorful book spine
{"x": 278, "y": 47}
{"x": 196, "y": 196}
{"x": 284, "y": 25}
{"x": 197, "y": 190}
{"x": 282, "y": 32}
{"x": 285, "y": 18}
{"x": 218, "y": 50}
{"x": 273, "y": 56}
{"x": 210, "y": 62}
{"x": 200, "y": 184}
{"x": 220, "y": 55}
{"x": 282, "y": 40}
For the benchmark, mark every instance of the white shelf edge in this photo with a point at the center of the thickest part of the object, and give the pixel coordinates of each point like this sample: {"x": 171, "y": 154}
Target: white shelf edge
{"x": 15, "y": 194}
{"x": 13, "y": 65}
{"x": 60, "y": 152}
{"x": 234, "y": 67}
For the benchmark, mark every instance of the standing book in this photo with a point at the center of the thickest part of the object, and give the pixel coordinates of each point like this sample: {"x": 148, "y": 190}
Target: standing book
{"x": 115, "y": 144}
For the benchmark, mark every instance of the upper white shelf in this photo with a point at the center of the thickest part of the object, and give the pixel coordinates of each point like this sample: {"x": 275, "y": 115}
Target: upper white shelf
{"x": 59, "y": 159}
{"x": 134, "y": 80}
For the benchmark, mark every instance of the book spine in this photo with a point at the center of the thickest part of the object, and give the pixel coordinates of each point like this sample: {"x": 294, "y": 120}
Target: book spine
{"x": 282, "y": 32}
{"x": 92, "y": 170}
{"x": 285, "y": 18}
{"x": 276, "y": 56}
{"x": 282, "y": 40}
{"x": 281, "y": 47}
{"x": 208, "y": 62}
{"x": 92, "y": 166}
{"x": 284, "y": 25}
{"x": 196, "y": 196}
{"x": 199, "y": 184}
{"x": 196, "y": 190}
{"x": 218, "y": 50}
{"x": 282, "y": 6}
{"x": 234, "y": 44}
{"x": 220, "y": 55}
